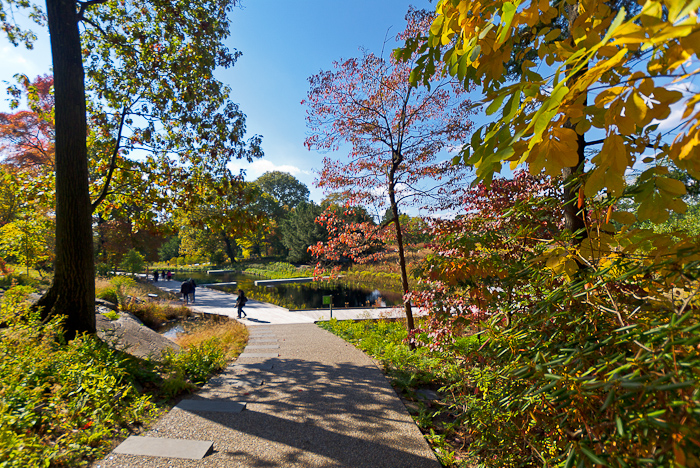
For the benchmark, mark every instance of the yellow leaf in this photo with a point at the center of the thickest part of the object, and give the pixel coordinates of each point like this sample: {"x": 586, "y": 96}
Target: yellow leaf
{"x": 625, "y": 123}
{"x": 608, "y": 95}
{"x": 624, "y": 217}
{"x": 614, "y": 154}
{"x": 636, "y": 108}
{"x": 673, "y": 187}
{"x": 602, "y": 178}
{"x": 653, "y": 209}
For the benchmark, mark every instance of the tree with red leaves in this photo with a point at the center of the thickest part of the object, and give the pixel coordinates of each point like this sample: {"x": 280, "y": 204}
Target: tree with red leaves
{"x": 478, "y": 255}
{"x": 396, "y": 132}
{"x": 27, "y": 136}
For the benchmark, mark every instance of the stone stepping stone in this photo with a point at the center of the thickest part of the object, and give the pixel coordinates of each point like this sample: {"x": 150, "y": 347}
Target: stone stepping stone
{"x": 235, "y": 382}
{"x": 162, "y": 447}
{"x": 266, "y": 346}
{"x": 214, "y": 406}
{"x": 246, "y": 355}
{"x": 266, "y": 366}
{"x": 262, "y": 335}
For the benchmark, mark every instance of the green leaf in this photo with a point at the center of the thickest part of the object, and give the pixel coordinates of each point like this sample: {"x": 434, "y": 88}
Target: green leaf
{"x": 615, "y": 24}
{"x": 475, "y": 53}
{"x": 618, "y": 423}
{"x": 507, "y": 14}
{"x": 592, "y": 456}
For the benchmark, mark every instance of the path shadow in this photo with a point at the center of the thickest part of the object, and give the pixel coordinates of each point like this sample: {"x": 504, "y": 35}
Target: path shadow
{"x": 254, "y": 320}
{"x": 345, "y": 414}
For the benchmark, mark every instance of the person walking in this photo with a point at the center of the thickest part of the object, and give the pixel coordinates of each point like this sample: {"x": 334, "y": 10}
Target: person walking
{"x": 185, "y": 289}
{"x": 240, "y": 302}
{"x": 193, "y": 286}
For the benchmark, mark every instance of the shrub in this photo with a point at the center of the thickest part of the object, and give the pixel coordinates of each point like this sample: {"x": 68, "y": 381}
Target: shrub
{"x": 61, "y": 403}
{"x": 198, "y": 362}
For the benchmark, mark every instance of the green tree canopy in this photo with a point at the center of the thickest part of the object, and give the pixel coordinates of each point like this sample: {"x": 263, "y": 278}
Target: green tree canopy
{"x": 283, "y": 187}
{"x": 300, "y": 231}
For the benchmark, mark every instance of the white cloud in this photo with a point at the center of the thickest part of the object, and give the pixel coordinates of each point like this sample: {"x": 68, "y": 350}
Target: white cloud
{"x": 675, "y": 118}
{"x": 260, "y": 166}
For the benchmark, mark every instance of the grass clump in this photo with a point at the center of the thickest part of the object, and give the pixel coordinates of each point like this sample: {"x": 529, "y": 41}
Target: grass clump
{"x": 278, "y": 270}
{"x": 230, "y": 334}
{"x": 132, "y": 296}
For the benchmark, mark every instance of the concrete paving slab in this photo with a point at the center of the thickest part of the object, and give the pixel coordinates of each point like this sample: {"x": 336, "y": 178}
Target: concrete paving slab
{"x": 163, "y": 447}
{"x": 246, "y": 355}
{"x": 235, "y": 382}
{"x": 262, "y": 346}
{"x": 264, "y": 366}
{"x": 216, "y": 406}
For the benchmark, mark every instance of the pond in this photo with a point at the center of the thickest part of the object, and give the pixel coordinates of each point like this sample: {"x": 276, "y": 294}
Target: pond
{"x": 299, "y": 295}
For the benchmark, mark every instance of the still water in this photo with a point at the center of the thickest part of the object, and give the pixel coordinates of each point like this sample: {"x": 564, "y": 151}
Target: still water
{"x": 299, "y": 295}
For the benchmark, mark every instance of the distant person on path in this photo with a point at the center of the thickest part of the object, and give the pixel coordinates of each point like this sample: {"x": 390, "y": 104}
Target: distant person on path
{"x": 155, "y": 276}
{"x": 193, "y": 286}
{"x": 170, "y": 275}
{"x": 240, "y": 302}
{"x": 185, "y": 289}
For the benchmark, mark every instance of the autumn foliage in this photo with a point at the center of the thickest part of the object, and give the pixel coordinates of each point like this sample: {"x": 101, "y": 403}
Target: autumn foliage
{"x": 590, "y": 348}
{"x": 397, "y": 134}
{"x": 27, "y": 136}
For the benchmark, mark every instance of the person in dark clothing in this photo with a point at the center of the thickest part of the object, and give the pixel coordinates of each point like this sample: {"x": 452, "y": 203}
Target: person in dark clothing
{"x": 193, "y": 286}
{"x": 155, "y": 276}
{"x": 240, "y": 302}
{"x": 185, "y": 290}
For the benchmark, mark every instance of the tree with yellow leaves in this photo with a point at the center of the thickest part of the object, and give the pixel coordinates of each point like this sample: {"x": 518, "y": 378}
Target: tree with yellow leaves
{"x": 608, "y": 73}
{"x": 594, "y": 369}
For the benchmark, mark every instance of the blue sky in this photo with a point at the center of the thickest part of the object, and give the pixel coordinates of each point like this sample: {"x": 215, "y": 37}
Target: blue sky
{"x": 283, "y": 43}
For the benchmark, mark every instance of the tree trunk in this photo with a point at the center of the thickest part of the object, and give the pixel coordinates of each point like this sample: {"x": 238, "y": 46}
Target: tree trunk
{"x": 230, "y": 250}
{"x": 402, "y": 260}
{"x": 72, "y": 293}
{"x": 574, "y": 214}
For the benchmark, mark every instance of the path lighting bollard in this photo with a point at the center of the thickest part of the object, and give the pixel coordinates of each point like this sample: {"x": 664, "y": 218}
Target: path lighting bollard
{"x": 328, "y": 300}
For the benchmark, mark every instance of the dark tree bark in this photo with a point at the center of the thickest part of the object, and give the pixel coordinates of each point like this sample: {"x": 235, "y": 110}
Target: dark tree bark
{"x": 574, "y": 214}
{"x": 397, "y": 160}
{"x": 72, "y": 293}
{"x": 230, "y": 247}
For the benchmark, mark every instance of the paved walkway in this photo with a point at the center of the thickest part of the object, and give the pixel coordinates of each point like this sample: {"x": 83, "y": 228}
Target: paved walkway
{"x": 261, "y": 313}
{"x": 310, "y": 398}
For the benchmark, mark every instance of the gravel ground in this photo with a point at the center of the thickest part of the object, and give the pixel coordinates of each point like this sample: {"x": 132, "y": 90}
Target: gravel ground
{"x": 322, "y": 403}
